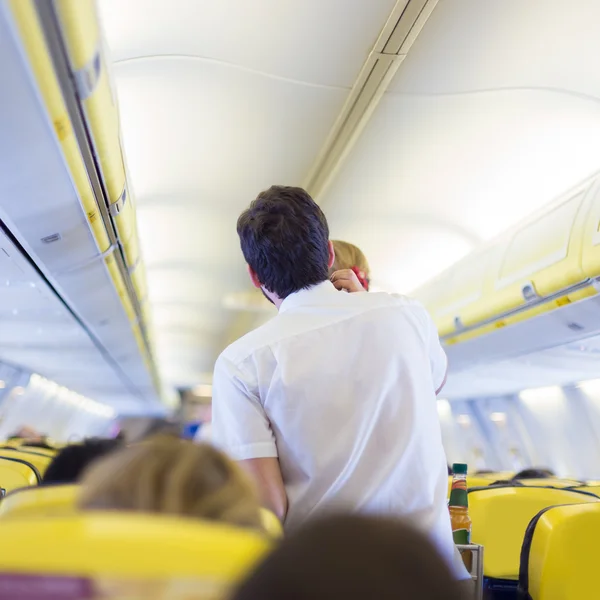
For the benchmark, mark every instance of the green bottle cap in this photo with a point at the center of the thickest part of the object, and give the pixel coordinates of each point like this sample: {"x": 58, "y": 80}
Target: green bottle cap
{"x": 459, "y": 469}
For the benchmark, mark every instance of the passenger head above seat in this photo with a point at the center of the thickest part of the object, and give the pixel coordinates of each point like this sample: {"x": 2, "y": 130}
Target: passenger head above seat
{"x": 177, "y": 477}
{"x": 349, "y": 256}
{"x": 352, "y": 557}
{"x": 535, "y": 473}
{"x": 68, "y": 465}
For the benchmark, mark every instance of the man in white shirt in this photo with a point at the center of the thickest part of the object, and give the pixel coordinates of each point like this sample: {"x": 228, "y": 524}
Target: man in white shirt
{"x": 331, "y": 405}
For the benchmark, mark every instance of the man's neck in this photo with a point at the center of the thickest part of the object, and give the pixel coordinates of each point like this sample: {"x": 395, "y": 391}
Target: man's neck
{"x": 272, "y": 298}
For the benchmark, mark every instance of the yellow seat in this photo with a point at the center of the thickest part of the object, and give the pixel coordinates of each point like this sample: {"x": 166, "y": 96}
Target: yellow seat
{"x": 57, "y": 500}
{"x": 551, "y": 482}
{"x": 500, "y": 516}
{"x": 128, "y": 555}
{"x": 37, "y": 462}
{"x": 15, "y": 474}
{"x": 559, "y": 561}
{"x": 49, "y": 452}
{"x": 39, "y": 501}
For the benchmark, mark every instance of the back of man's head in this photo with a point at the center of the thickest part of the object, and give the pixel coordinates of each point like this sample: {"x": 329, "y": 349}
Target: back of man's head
{"x": 284, "y": 238}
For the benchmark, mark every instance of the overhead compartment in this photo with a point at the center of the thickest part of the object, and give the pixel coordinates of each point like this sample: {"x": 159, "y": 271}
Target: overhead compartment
{"x": 104, "y": 280}
{"x": 546, "y": 262}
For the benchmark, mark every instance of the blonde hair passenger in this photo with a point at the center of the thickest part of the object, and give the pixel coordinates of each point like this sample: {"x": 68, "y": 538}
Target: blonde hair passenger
{"x": 349, "y": 257}
{"x": 175, "y": 477}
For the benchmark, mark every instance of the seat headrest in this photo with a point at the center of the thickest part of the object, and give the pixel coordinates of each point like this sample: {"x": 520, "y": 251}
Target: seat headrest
{"x": 112, "y": 550}
{"x": 500, "y": 516}
{"x": 558, "y": 558}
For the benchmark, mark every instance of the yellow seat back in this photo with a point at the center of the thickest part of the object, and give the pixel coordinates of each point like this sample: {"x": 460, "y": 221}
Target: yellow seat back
{"x": 128, "y": 555}
{"x": 62, "y": 499}
{"x": 39, "y": 501}
{"x": 559, "y": 558}
{"x": 15, "y": 474}
{"x": 37, "y": 462}
{"x": 591, "y": 488}
{"x": 49, "y": 452}
{"x": 550, "y": 482}
{"x": 500, "y": 516}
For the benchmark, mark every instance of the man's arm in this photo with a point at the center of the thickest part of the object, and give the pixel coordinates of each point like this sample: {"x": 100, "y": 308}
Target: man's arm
{"x": 241, "y": 428}
{"x": 266, "y": 472}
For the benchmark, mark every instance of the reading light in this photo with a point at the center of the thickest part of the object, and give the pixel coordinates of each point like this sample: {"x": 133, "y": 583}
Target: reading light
{"x": 498, "y": 417}
{"x": 590, "y": 388}
{"x": 463, "y": 420}
{"x": 543, "y": 393}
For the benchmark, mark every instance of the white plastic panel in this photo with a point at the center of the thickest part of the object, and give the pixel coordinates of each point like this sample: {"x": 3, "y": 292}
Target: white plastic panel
{"x": 38, "y": 332}
{"x": 505, "y": 434}
{"x": 463, "y": 438}
{"x": 316, "y": 41}
{"x": 561, "y": 432}
{"x": 470, "y": 45}
{"x": 54, "y": 411}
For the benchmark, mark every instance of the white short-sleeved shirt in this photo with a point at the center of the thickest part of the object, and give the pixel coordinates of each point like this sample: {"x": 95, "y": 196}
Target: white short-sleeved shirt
{"x": 342, "y": 388}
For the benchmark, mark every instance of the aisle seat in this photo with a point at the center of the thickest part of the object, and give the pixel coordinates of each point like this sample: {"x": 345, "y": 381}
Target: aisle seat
{"x": 38, "y": 462}
{"x": 592, "y": 488}
{"x": 56, "y": 500}
{"x": 15, "y": 474}
{"x": 500, "y": 516}
{"x": 558, "y": 559}
{"x": 124, "y": 555}
{"x": 49, "y": 452}
{"x": 551, "y": 482}
{"x": 39, "y": 501}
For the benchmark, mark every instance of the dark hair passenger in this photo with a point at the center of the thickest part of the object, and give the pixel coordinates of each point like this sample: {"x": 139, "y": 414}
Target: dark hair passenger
{"x": 354, "y": 558}
{"x": 68, "y": 465}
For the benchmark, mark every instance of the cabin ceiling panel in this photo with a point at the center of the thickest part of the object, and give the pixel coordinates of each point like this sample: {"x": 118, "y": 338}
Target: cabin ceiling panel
{"x": 319, "y": 41}
{"x": 470, "y": 45}
{"x": 211, "y": 128}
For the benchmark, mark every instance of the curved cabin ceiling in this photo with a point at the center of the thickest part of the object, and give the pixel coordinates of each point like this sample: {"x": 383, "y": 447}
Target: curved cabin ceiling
{"x": 494, "y": 113}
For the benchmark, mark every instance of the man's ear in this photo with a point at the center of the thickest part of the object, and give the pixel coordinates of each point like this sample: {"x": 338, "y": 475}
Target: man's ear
{"x": 331, "y": 254}
{"x": 254, "y": 277}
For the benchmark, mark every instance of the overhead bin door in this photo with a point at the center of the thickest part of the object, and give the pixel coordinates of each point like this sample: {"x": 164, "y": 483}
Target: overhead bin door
{"x": 591, "y": 235}
{"x": 543, "y": 257}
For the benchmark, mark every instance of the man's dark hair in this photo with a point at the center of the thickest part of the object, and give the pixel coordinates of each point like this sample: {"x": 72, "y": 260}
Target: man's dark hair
{"x": 284, "y": 238}
{"x": 352, "y": 557}
{"x": 70, "y": 463}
